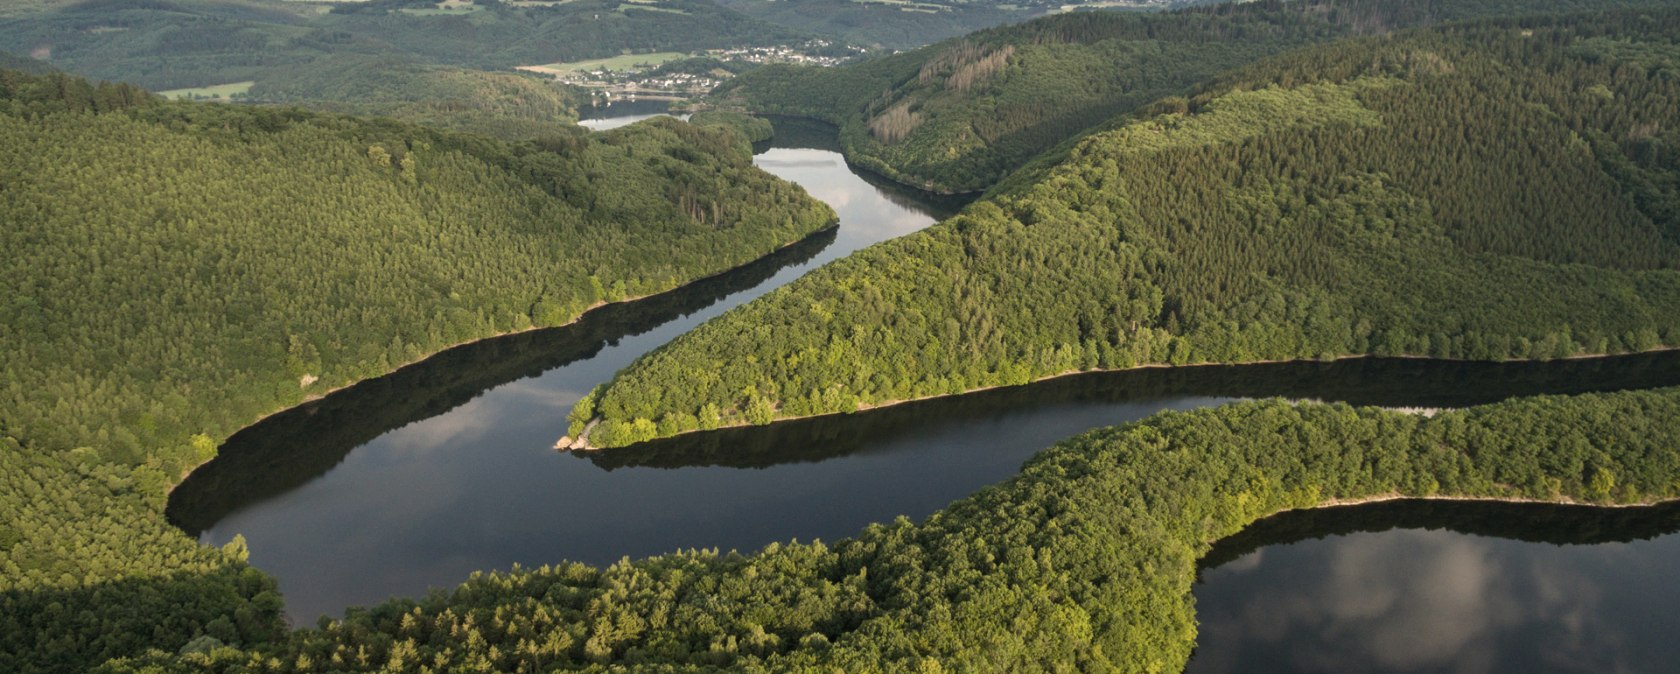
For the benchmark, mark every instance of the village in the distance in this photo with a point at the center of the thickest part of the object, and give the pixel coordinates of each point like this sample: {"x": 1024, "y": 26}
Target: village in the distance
{"x": 677, "y": 75}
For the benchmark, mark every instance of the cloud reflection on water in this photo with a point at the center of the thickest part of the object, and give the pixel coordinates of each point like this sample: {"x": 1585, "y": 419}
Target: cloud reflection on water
{"x": 1420, "y": 601}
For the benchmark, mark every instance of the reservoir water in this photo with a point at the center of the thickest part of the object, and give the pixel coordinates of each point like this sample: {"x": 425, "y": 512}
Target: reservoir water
{"x": 621, "y": 113}
{"x": 1438, "y": 587}
{"x": 414, "y": 480}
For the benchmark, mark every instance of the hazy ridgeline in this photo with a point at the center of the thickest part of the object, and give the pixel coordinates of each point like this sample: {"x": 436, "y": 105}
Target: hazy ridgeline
{"x": 169, "y": 44}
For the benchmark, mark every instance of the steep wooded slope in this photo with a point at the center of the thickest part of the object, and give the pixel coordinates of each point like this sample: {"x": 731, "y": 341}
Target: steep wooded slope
{"x": 1504, "y": 190}
{"x": 175, "y": 271}
{"x": 961, "y": 115}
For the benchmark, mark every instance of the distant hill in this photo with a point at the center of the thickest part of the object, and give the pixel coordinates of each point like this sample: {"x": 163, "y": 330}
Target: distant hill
{"x": 961, "y": 115}
{"x": 510, "y": 105}
{"x": 173, "y": 44}
{"x": 891, "y": 25}
{"x": 179, "y": 270}
{"x": 23, "y": 65}
{"x": 1499, "y": 190}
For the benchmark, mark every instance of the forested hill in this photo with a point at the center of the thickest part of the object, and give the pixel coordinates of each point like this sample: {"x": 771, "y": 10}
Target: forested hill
{"x": 960, "y": 115}
{"x": 177, "y": 270}
{"x": 229, "y": 261}
{"x": 509, "y": 105}
{"x": 169, "y": 44}
{"x": 1502, "y": 190}
{"x": 892, "y": 25}
{"x": 1084, "y": 562}
{"x": 24, "y": 65}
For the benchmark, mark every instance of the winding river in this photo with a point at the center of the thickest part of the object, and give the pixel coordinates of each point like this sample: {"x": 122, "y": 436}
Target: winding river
{"x": 414, "y": 480}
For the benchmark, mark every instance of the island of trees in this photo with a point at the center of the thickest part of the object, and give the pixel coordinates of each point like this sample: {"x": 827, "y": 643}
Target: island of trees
{"x": 1315, "y": 205}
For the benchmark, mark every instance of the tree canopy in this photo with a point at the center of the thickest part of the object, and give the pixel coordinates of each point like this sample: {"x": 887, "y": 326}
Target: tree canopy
{"x": 1085, "y": 561}
{"x": 1490, "y": 191}
{"x": 961, "y": 115}
{"x": 179, "y": 270}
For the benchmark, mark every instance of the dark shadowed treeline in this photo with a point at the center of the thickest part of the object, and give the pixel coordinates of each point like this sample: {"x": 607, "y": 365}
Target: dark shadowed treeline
{"x": 1505, "y": 190}
{"x": 90, "y": 571}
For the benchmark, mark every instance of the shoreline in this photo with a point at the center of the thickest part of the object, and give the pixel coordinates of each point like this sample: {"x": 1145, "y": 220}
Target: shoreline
{"x": 1518, "y": 500}
{"x": 852, "y": 162}
{"x": 581, "y": 444}
{"x": 1399, "y": 498}
{"x": 420, "y": 361}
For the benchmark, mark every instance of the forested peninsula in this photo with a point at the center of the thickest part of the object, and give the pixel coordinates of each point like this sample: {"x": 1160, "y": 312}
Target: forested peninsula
{"x": 1371, "y": 196}
{"x": 180, "y": 270}
{"x": 961, "y": 115}
{"x": 1083, "y": 562}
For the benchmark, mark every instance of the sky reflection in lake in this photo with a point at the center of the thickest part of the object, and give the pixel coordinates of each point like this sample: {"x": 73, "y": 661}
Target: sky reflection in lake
{"x": 478, "y": 486}
{"x": 415, "y": 480}
{"x": 1437, "y": 601}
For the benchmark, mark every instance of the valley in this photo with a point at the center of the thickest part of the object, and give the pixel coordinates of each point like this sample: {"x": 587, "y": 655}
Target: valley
{"x": 1277, "y": 336}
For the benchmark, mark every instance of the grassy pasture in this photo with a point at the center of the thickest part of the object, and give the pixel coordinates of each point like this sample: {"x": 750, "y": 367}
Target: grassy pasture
{"x": 616, "y": 63}
{"x": 219, "y": 92}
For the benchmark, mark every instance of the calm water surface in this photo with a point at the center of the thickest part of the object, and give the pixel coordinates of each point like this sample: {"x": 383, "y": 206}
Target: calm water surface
{"x": 621, "y": 113}
{"x": 462, "y": 475}
{"x": 415, "y": 480}
{"x": 1426, "y": 587}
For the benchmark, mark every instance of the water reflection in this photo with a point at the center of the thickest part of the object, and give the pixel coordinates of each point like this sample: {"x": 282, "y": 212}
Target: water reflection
{"x": 418, "y": 479}
{"x": 289, "y": 449}
{"x": 1052, "y": 410}
{"x": 1419, "y": 587}
{"x": 344, "y": 510}
{"x": 622, "y": 113}
{"x": 805, "y": 133}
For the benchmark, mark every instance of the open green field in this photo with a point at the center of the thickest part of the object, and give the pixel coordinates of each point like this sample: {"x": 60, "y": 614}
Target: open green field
{"x": 619, "y": 63}
{"x": 216, "y": 92}
{"x": 441, "y": 10}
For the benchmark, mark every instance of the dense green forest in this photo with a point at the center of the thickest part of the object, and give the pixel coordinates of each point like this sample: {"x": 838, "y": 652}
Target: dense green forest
{"x": 961, "y": 115}
{"x": 1084, "y": 562}
{"x": 753, "y": 128}
{"x": 157, "y": 303}
{"x": 509, "y": 105}
{"x": 21, "y": 64}
{"x": 179, "y": 270}
{"x": 1499, "y": 190}
{"x": 168, "y": 44}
